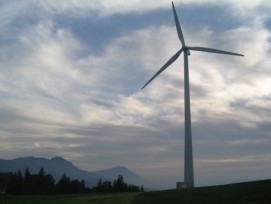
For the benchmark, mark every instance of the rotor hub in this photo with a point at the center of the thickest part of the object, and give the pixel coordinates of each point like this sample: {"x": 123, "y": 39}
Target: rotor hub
{"x": 186, "y": 50}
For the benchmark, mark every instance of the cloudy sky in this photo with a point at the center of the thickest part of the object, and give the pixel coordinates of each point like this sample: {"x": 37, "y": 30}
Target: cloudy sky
{"x": 72, "y": 72}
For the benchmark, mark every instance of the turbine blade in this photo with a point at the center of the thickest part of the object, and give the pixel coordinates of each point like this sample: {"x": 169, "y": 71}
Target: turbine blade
{"x": 178, "y": 26}
{"x": 205, "y": 49}
{"x": 169, "y": 62}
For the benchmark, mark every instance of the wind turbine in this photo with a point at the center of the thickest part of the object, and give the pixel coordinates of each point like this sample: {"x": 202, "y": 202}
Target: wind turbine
{"x": 188, "y": 161}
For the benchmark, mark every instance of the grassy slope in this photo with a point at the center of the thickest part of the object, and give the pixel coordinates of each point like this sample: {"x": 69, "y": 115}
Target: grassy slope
{"x": 249, "y": 192}
{"x": 120, "y": 198}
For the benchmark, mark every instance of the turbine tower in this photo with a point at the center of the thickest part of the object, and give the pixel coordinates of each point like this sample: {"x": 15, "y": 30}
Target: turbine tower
{"x": 188, "y": 160}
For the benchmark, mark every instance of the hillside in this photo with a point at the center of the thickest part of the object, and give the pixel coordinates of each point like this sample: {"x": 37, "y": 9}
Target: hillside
{"x": 257, "y": 192}
{"x": 249, "y": 192}
{"x": 56, "y": 166}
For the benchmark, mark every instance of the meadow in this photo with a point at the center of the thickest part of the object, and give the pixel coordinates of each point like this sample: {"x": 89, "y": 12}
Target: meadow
{"x": 116, "y": 198}
{"x": 250, "y": 192}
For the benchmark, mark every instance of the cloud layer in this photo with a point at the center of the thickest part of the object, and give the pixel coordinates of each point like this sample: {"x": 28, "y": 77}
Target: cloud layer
{"x": 61, "y": 97}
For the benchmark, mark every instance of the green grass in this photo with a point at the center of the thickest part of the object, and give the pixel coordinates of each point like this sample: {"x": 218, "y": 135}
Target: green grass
{"x": 120, "y": 198}
{"x": 257, "y": 192}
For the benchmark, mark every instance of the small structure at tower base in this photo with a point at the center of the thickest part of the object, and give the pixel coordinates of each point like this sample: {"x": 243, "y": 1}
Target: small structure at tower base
{"x": 183, "y": 185}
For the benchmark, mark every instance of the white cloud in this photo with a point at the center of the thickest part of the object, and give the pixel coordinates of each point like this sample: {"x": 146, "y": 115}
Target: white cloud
{"x": 89, "y": 107}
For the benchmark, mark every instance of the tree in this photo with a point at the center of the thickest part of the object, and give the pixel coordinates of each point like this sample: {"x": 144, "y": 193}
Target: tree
{"x": 107, "y": 187}
{"x": 99, "y": 187}
{"x": 40, "y": 183}
{"x": 100, "y": 183}
{"x": 27, "y": 182}
{"x": 119, "y": 184}
{"x": 83, "y": 184}
{"x": 48, "y": 184}
{"x": 41, "y": 172}
{"x": 77, "y": 187}
{"x": 5, "y": 179}
{"x": 142, "y": 189}
{"x": 15, "y": 183}
{"x": 26, "y": 174}
{"x": 19, "y": 182}
{"x": 64, "y": 184}
{"x": 45, "y": 182}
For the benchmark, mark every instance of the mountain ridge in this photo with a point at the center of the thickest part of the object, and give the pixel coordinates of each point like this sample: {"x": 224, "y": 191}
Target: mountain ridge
{"x": 57, "y": 165}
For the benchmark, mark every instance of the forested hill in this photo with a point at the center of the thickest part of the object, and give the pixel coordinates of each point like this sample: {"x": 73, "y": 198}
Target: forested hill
{"x": 56, "y": 166}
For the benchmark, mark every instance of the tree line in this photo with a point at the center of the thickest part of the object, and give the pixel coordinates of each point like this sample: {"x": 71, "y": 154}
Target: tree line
{"x": 42, "y": 183}
{"x": 119, "y": 185}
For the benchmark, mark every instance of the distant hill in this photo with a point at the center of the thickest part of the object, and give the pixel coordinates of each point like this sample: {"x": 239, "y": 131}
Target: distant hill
{"x": 112, "y": 173}
{"x": 56, "y": 166}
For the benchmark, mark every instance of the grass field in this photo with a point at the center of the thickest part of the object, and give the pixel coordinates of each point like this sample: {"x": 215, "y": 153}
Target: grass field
{"x": 120, "y": 198}
{"x": 257, "y": 192}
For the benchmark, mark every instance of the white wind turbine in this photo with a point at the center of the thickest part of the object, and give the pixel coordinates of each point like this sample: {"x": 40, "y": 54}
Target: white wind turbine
{"x": 188, "y": 161}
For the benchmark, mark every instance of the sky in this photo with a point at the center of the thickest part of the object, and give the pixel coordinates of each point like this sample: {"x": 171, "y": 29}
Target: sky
{"x": 71, "y": 74}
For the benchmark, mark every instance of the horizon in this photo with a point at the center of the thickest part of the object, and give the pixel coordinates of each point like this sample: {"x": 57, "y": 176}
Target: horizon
{"x": 148, "y": 184}
{"x": 71, "y": 75}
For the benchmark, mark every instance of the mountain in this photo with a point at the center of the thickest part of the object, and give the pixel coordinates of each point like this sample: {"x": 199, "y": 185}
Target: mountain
{"x": 56, "y": 166}
{"x": 129, "y": 176}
